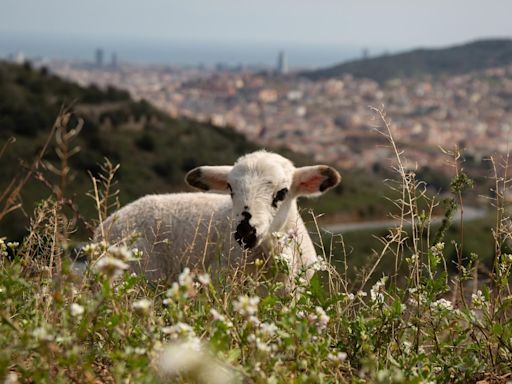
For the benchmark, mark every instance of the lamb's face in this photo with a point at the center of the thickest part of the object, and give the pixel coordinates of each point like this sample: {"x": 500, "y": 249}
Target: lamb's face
{"x": 263, "y": 188}
{"x": 260, "y": 185}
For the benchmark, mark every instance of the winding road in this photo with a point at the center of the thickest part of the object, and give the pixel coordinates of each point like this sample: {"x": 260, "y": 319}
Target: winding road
{"x": 470, "y": 214}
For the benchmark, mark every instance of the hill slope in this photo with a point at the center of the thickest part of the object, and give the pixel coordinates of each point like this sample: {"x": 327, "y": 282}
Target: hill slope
{"x": 154, "y": 150}
{"x": 452, "y": 60}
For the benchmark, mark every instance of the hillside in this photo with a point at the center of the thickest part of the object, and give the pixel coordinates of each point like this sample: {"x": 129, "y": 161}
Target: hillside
{"x": 154, "y": 150}
{"x": 420, "y": 62}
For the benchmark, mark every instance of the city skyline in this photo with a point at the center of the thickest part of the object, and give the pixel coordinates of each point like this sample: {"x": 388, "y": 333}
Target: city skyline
{"x": 313, "y": 33}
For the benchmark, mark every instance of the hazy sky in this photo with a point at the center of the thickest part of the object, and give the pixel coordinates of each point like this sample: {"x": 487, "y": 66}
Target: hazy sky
{"x": 392, "y": 23}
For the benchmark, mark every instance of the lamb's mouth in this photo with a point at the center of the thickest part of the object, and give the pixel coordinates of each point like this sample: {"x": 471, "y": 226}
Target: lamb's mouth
{"x": 245, "y": 233}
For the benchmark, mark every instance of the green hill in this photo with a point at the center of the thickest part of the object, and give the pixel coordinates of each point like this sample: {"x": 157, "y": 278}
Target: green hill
{"x": 154, "y": 150}
{"x": 420, "y": 62}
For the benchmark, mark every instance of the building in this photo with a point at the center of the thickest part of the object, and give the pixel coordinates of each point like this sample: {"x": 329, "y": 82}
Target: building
{"x": 99, "y": 54}
{"x": 282, "y": 63}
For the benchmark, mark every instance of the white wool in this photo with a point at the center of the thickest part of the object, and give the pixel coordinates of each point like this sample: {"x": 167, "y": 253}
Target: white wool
{"x": 196, "y": 230}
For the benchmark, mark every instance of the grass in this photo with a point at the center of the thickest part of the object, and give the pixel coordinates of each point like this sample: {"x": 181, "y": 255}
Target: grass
{"x": 416, "y": 312}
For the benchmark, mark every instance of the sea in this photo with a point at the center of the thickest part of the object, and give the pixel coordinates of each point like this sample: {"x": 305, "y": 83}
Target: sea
{"x": 179, "y": 53}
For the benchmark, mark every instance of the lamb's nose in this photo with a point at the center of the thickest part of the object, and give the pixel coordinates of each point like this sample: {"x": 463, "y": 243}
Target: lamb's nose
{"x": 245, "y": 233}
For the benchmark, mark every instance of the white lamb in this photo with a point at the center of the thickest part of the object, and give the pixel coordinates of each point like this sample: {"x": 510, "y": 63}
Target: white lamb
{"x": 201, "y": 230}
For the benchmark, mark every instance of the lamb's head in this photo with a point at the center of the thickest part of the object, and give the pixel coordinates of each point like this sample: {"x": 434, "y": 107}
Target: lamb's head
{"x": 264, "y": 187}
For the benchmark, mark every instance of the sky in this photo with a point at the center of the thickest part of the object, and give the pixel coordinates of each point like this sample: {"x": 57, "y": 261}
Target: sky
{"x": 389, "y": 25}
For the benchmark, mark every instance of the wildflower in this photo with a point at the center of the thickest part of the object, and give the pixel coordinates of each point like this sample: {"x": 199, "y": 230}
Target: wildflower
{"x": 185, "y": 279}
{"x": 437, "y": 249}
{"x": 136, "y": 350}
{"x": 361, "y": 294}
{"x": 319, "y": 319}
{"x": 246, "y": 306}
{"x": 268, "y": 329}
{"x": 320, "y": 265}
{"x": 253, "y": 320}
{"x": 185, "y": 360}
{"x": 13, "y": 244}
{"x": 204, "y": 279}
{"x": 110, "y": 266}
{"x": 322, "y": 320}
{"x": 377, "y": 291}
{"x": 41, "y": 334}
{"x": 3, "y": 248}
{"x": 11, "y": 378}
{"x": 76, "y": 310}
{"x": 338, "y": 357}
{"x": 142, "y": 306}
{"x": 174, "y": 291}
{"x": 442, "y": 304}
{"x": 179, "y": 331}
{"x": 478, "y": 299}
{"x": 217, "y": 316}
{"x": 120, "y": 252}
{"x": 90, "y": 248}
{"x": 413, "y": 259}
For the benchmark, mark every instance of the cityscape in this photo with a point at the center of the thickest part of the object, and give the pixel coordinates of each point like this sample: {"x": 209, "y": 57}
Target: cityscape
{"x": 328, "y": 119}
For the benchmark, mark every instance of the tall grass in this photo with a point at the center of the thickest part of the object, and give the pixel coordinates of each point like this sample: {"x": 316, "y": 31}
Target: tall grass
{"x": 418, "y": 323}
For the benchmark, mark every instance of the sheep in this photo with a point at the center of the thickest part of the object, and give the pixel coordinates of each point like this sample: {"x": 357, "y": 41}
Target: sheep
{"x": 252, "y": 201}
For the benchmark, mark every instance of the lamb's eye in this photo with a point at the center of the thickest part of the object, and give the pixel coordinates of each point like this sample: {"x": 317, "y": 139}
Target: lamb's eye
{"x": 279, "y": 196}
{"x": 230, "y": 189}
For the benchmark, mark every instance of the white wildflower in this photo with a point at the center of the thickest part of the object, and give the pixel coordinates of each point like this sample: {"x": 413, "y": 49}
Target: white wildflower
{"x": 76, "y": 310}
{"x": 120, "y": 252}
{"x": 320, "y": 265}
{"x": 185, "y": 360}
{"x": 204, "y": 279}
{"x": 322, "y": 320}
{"x": 253, "y": 320}
{"x": 377, "y": 291}
{"x": 90, "y": 248}
{"x": 11, "y": 378}
{"x": 338, "y": 357}
{"x": 478, "y": 299}
{"x": 361, "y": 294}
{"x": 142, "y": 306}
{"x": 217, "y": 316}
{"x": 3, "y": 248}
{"x": 174, "y": 291}
{"x": 437, "y": 249}
{"x": 413, "y": 259}
{"x": 246, "y": 306}
{"x": 110, "y": 266}
{"x": 442, "y": 304}
{"x": 268, "y": 329}
{"x": 13, "y": 244}
{"x": 41, "y": 334}
{"x": 179, "y": 331}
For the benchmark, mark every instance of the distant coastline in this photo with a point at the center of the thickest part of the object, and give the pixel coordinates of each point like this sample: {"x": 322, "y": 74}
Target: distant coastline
{"x": 300, "y": 56}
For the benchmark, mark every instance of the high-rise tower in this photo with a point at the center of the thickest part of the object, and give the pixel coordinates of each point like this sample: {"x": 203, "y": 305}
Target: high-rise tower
{"x": 282, "y": 64}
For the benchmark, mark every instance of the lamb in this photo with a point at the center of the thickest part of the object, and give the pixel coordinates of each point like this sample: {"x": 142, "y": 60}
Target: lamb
{"x": 252, "y": 200}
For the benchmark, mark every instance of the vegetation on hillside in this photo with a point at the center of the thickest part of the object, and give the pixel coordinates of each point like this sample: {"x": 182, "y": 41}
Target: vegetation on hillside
{"x": 154, "y": 150}
{"x": 425, "y": 62}
{"x": 429, "y": 318}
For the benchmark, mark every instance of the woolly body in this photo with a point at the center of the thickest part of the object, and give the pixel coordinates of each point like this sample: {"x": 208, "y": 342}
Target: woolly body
{"x": 196, "y": 229}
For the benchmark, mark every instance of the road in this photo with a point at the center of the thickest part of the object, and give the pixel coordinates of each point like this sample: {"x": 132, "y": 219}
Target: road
{"x": 470, "y": 214}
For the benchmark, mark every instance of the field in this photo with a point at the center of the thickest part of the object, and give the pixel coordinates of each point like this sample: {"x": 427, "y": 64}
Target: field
{"x": 417, "y": 306}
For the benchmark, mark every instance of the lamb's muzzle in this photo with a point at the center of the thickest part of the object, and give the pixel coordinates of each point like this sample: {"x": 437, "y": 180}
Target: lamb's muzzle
{"x": 245, "y": 234}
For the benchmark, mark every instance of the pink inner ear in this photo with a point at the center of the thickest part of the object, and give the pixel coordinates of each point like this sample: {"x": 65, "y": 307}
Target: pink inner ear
{"x": 218, "y": 183}
{"x": 312, "y": 184}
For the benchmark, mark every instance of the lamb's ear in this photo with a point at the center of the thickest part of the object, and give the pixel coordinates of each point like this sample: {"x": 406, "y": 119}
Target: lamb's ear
{"x": 314, "y": 180}
{"x": 209, "y": 178}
